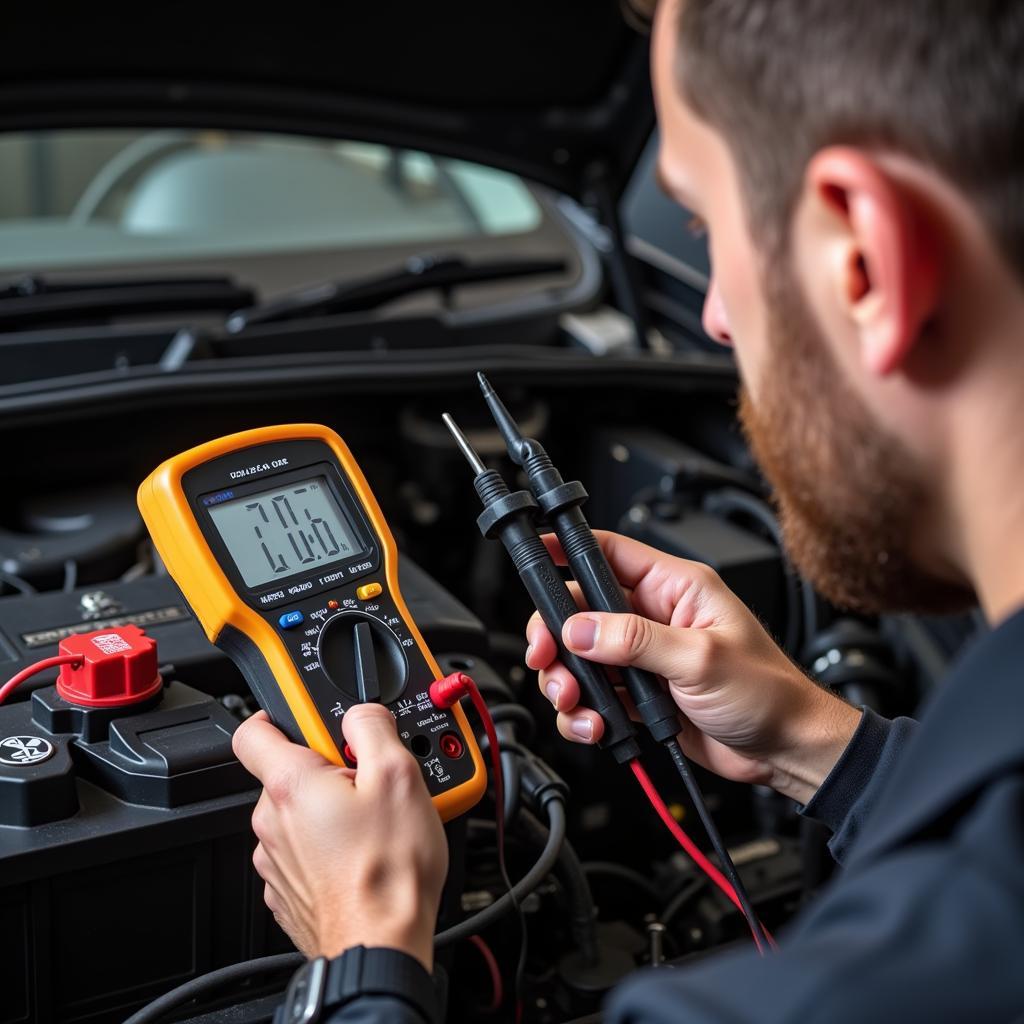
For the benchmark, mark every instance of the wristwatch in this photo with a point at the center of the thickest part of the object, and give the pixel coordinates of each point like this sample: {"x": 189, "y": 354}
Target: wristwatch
{"x": 322, "y": 986}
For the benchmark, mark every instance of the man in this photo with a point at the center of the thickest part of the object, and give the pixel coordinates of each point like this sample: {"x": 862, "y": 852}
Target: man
{"x": 860, "y": 170}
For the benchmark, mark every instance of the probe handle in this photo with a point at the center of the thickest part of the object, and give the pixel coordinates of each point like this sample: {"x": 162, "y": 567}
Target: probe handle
{"x": 604, "y": 593}
{"x": 552, "y": 599}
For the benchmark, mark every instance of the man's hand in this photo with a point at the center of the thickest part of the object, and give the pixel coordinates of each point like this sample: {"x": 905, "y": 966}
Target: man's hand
{"x": 348, "y": 857}
{"x": 749, "y": 713}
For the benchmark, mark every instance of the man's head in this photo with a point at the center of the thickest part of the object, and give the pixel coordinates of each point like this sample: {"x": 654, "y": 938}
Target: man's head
{"x": 860, "y": 171}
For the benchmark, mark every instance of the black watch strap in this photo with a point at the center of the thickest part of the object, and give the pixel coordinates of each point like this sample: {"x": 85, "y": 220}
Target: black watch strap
{"x": 382, "y": 972}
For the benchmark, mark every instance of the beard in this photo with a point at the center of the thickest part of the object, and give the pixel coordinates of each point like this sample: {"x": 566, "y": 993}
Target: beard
{"x": 850, "y": 497}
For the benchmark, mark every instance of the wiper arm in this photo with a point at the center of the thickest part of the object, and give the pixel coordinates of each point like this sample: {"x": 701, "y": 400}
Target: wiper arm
{"x": 35, "y": 299}
{"x": 419, "y": 273}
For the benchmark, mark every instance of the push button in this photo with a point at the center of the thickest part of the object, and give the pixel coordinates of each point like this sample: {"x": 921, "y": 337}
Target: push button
{"x": 368, "y": 590}
{"x": 289, "y": 620}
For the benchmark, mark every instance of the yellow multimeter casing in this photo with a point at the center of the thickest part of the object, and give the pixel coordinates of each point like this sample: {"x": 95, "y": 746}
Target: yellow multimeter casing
{"x": 281, "y": 550}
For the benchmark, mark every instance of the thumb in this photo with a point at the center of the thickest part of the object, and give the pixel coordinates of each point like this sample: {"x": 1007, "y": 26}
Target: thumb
{"x": 372, "y": 733}
{"x": 669, "y": 651}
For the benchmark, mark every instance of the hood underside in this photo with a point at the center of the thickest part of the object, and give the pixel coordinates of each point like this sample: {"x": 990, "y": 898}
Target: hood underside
{"x": 554, "y": 90}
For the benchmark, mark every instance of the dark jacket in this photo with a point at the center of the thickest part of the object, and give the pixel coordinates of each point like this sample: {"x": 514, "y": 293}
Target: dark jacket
{"x": 926, "y": 921}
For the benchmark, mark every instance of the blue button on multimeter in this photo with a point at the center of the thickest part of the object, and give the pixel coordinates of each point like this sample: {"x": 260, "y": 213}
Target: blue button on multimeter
{"x": 291, "y": 619}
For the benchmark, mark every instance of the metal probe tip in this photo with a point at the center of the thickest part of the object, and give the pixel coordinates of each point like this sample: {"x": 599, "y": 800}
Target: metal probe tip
{"x": 507, "y": 426}
{"x": 464, "y": 446}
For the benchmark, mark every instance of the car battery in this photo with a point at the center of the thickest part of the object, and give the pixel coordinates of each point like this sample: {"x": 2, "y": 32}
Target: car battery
{"x": 125, "y": 839}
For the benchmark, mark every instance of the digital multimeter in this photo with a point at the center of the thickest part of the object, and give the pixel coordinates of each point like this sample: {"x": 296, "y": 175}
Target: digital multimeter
{"x": 281, "y": 550}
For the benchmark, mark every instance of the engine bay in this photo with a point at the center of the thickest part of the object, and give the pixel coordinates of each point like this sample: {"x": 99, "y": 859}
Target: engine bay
{"x": 126, "y": 854}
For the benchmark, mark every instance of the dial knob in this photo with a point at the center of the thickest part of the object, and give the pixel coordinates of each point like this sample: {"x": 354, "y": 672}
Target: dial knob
{"x": 363, "y": 658}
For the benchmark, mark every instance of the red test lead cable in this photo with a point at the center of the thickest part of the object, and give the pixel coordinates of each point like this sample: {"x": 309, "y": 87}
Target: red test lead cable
{"x": 444, "y": 693}
{"x": 40, "y": 666}
{"x": 497, "y": 990}
{"x": 694, "y": 852}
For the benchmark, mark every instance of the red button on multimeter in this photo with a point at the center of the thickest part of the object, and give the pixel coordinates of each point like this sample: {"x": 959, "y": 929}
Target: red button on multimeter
{"x": 279, "y": 547}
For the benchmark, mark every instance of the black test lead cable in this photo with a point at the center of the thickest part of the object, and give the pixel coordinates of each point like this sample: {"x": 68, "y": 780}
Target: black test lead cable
{"x": 561, "y": 502}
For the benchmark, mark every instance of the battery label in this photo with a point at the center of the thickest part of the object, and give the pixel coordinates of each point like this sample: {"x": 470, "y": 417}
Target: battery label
{"x": 155, "y": 617}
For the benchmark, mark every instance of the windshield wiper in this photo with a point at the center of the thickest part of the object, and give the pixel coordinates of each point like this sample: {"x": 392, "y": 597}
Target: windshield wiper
{"x": 419, "y": 273}
{"x": 36, "y": 299}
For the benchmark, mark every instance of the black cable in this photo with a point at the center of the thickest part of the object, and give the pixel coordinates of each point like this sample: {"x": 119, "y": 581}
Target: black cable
{"x": 502, "y": 838}
{"x": 501, "y": 906}
{"x": 728, "y": 868}
{"x": 201, "y": 986}
{"x": 206, "y": 983}
{"x": 70, "y": 575}
{"x": 510, "y": 769}
{"x": 516, "y": 714}
{"x": 506, "y": 718}
{"x": 573, "y": 879}
{"x": 16, "y": 583}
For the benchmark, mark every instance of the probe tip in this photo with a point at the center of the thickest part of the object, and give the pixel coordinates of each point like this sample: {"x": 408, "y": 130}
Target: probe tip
{"x": 514, "y": 440}
{"x": 464, "y": 446}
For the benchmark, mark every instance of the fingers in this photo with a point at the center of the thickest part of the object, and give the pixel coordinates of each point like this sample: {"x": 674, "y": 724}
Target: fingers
{"x": 670, "y": 651}
{"x": 665, "y": 587}
{"x": 264, "y": 865}
{"x": 630, "y": 560}
{"x": 554, "y": 546}
{"x": 542, "y": 649}
{"x": 268, "y": 754}
{"x": 580, "y": 726}
{"x": 371, "y": 732}
{"x": 272, "y": 899}
{"x": 559, "y": 686}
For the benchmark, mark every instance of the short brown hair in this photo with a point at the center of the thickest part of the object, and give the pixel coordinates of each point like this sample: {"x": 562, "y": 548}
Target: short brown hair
{"x": 939, "y": 80}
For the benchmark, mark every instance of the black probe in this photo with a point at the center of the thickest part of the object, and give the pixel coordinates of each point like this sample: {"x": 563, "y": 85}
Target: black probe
{"x": 510, "y": 517}
{"x": 561, "y": 502}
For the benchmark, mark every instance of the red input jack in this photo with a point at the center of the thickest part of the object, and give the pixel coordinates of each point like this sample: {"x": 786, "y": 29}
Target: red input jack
{"x": 451, "y": 746}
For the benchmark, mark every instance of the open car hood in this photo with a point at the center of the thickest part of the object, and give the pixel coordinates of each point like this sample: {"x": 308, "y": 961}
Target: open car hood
{"x": 554, "y": 90}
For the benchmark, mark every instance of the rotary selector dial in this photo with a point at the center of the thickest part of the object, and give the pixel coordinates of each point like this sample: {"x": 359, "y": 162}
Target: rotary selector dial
{"x": 363, "y": 657}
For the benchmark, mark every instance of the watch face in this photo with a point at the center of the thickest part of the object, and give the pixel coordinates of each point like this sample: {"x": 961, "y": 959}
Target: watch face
{"x": 305, "y": 993}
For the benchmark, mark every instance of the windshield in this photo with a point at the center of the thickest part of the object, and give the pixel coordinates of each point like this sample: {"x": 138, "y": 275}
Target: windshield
{"x": 91, "y": 198}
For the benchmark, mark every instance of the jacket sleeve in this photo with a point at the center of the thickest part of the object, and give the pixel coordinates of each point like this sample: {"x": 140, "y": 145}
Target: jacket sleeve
{"x": 848, "y": 794}
{"x": 378, "y": 1010}
{"x": 929, "y": 932}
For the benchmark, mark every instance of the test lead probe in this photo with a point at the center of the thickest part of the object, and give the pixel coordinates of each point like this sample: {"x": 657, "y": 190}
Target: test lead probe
{"x": 560, "y": 503}
{"x": 509, "y": 516}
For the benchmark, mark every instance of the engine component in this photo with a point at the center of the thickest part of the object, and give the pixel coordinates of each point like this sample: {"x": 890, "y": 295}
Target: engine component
{"x": 95, "y": 530}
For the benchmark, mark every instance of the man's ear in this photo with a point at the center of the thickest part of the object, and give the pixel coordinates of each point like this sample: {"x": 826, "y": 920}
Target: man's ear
{"x": 882, "y": 253}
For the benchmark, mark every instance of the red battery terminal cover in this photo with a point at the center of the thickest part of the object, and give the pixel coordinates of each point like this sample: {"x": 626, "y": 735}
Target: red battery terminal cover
{"x": 114, "y": 667}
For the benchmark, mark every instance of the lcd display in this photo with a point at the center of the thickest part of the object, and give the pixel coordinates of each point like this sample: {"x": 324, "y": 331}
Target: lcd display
{"x": 286, "y": 530}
